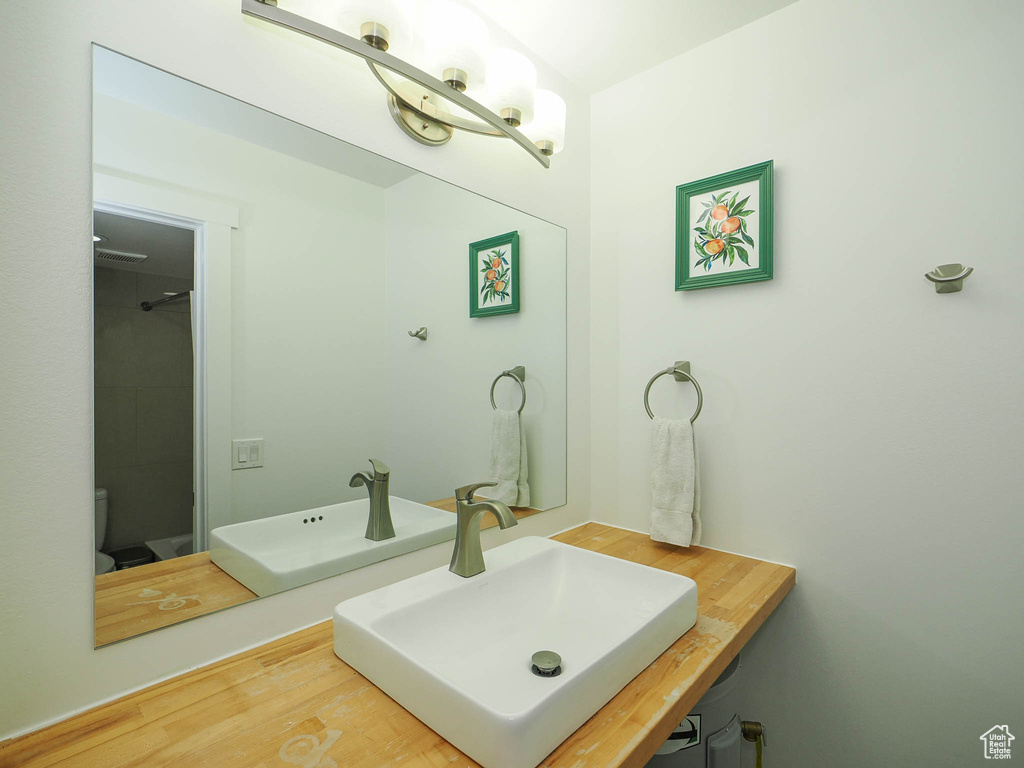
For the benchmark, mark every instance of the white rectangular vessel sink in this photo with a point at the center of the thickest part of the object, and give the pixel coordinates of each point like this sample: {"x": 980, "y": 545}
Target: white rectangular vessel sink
{"x": 285, "y": 551}
{"x": 457, "y": 653}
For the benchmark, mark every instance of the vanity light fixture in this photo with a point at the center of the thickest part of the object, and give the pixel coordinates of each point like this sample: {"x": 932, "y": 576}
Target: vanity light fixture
{"x": 456, "y": 44}
{"x": 466, "y": 75}
{"x": 513, "y": 85}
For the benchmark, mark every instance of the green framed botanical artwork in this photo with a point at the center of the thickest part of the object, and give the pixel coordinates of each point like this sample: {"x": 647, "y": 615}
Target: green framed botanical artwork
{"x": 724, "y": 229}
{"x": 494, "y": 276}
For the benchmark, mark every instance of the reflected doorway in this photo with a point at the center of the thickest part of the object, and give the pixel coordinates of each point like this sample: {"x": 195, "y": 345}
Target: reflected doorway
{"x": 145, "y": 385}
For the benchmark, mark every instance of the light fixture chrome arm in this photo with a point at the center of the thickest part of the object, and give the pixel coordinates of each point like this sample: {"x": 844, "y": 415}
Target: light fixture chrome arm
{"x": 268, "y": 11}
{"x": 428, "y": 110}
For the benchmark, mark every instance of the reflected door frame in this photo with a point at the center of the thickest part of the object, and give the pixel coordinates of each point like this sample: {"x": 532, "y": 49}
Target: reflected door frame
{"x": 212, "y": 223}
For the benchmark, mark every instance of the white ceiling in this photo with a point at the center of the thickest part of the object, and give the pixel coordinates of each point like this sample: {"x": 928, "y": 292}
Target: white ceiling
{"x": 598, "y": 43}
{"x": 168, "y": 250}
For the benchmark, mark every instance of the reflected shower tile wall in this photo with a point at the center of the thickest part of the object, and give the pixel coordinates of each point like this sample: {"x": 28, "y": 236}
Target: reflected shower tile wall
{"x": 163, "y": 497}
{"x": 143, "y": 406}
{"x": 146, "y": 502}
{"x": 114, "y": 347}
{"x": 116, "y": 288}
{"x": 124, "y": 519}
{"x": 164, "y": 425}
{"x": 116, "y": 426}
{"x": 157, "y": 347}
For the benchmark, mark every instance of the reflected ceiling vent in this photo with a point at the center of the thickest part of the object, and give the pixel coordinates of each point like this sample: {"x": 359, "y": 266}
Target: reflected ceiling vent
{"x": 104, "y": 255}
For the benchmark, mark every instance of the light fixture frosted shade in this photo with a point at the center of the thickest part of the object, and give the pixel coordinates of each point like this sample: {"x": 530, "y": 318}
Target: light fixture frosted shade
{"x": 511, "y": 82}
{"x": 455, "y": 38}
{"x": 548, "y": 123}
{"x": 398, "y": 16}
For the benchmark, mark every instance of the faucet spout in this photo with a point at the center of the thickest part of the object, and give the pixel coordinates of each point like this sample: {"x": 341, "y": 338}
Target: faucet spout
{"x": 468, "y": 557}
{"x": 361, "y": 478}
{"x": 504, "y": 515}
{"x": 379, "y": 526}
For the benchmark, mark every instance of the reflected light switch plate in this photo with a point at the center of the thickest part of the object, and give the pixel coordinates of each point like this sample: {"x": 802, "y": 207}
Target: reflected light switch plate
{"x": 247, "y": 454}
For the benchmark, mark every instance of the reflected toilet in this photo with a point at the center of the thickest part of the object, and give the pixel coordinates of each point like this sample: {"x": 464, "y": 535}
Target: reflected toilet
{"x": 104, "y": 562}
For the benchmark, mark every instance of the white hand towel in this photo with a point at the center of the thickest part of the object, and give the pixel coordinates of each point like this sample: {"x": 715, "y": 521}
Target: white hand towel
{"x": 508, "y": 459}
{"x": 675, "y": 483}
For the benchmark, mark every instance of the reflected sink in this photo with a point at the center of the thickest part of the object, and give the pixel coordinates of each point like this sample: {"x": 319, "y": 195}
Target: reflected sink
{"x": 281, "y": 552}
{"x": 457, "y": 653}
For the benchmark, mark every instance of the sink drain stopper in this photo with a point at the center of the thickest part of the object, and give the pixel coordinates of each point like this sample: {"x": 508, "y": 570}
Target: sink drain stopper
{"x": 546, "y": 664}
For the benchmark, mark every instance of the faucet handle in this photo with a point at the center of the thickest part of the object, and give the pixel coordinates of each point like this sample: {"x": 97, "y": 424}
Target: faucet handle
{"x": 465, "y": 493}
{"x": 381, "y": 471}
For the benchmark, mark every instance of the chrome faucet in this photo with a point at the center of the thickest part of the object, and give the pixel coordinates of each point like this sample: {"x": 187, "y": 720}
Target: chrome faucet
{"x": 379, "y": 526}
{"x": 468, "y": 557}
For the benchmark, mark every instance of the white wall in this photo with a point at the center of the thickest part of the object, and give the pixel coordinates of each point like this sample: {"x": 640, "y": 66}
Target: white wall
{"x": 307, "y": 256}
{"x": 48, "y": 666}
{"x": 855, "y": 424}
{"x": 429, "y": 228}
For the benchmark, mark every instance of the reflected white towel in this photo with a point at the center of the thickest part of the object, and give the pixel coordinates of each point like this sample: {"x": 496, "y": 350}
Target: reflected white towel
{"x": 675, "y": 483}
{"x": 508, "y": 460}
{"x": 522, "y": 484}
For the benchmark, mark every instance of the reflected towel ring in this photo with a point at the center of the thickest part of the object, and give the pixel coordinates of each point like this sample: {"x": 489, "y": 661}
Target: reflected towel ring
{"x": 517, "y": 374}
{"x": 681, "y": 370}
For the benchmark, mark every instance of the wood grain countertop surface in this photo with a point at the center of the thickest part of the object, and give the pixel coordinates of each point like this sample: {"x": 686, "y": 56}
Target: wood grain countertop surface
{"x": 292, "y": 702}
{"x": 156, "y": 595}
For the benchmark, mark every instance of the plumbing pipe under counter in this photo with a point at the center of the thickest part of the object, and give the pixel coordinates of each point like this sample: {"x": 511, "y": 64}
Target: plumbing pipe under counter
{"x": 318, "y": 707}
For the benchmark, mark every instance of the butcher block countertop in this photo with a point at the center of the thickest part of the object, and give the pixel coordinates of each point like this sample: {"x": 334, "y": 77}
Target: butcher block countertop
{"x": 292, "y": 702}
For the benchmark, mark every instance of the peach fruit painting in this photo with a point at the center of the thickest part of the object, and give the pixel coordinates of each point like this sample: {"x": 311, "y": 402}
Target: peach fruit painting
{"x": 495, "y": 269}
{"x": 721, "y": 231}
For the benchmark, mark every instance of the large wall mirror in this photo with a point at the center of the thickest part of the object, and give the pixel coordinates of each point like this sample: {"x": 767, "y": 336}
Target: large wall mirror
{"x": 258, "y": 291}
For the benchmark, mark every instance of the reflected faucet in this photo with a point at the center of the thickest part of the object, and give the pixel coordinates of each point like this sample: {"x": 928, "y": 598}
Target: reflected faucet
{"x": 468, "y": 557}
{"x": 379, "y": 526}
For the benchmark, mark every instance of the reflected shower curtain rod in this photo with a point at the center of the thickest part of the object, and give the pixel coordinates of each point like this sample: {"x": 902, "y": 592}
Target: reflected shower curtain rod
{"x": 148, "y": 305}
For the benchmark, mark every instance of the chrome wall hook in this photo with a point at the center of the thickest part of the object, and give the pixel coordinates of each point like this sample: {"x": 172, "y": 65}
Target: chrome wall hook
{"x": 421, "y": 334}
{"x": 949, "y": 278}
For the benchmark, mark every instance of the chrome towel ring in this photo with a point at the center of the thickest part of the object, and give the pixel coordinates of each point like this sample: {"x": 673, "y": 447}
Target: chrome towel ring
{"x": 681, "y": 371}
{"x": 518, "y": 374}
